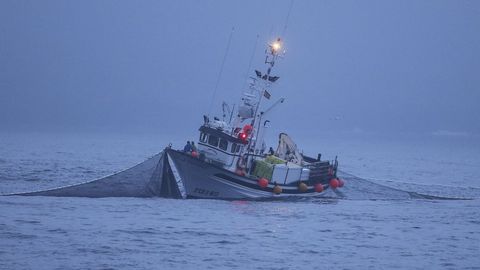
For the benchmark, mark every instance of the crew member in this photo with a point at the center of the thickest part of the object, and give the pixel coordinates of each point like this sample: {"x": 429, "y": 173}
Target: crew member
{"x": 194, "y": 147}
{"x": 188, "y": 147}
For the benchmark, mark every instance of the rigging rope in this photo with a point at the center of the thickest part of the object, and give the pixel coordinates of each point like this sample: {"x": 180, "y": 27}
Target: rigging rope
{"x": 287, "y": 19}
{"x": 220, "y": 73}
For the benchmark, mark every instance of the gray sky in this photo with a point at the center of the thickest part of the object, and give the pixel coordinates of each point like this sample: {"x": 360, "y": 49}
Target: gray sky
{"x": 351, "y": 66}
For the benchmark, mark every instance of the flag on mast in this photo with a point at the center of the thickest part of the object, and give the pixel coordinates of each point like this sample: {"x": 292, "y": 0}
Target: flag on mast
{"x": 266, "y": 94}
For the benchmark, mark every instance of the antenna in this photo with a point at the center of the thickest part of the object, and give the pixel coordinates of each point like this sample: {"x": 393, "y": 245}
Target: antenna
{"x": 250, "y": 62}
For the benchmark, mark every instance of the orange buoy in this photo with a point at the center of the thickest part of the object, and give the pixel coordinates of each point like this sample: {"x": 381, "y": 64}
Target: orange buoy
{"x": 318, "y": 188}
{"x": 334, "y": 183}
{"x": 263, "y": 182}
{"x": 302, "y": 187}
{"x": 277, "y": 189}
{"x": 194, "y": 154}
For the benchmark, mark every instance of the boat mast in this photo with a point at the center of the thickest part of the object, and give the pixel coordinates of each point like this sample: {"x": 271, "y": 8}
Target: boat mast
{"x": 272, "y": 52}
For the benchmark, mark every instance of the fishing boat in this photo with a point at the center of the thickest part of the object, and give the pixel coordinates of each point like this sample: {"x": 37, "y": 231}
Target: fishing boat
{"x": 231, "y": 160}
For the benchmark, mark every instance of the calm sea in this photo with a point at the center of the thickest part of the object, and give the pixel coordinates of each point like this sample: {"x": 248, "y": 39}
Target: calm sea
{"x": 376, "y": 224}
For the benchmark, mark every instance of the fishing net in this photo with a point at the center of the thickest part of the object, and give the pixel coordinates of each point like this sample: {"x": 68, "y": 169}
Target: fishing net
{"x": 142, "y": 180}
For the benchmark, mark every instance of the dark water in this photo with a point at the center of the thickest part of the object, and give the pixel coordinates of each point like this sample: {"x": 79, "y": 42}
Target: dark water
{"x": 373, "y": 223}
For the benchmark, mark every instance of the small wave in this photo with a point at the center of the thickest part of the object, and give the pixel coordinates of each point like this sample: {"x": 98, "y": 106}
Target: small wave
{"x": 207, "y": 234}
{"x": 136, "y": 232}
{"x": 16, "y": 235}
{"x": 58, "y": 230}
{"x": 27, "y": 221}
{"x": 224, "y": 242}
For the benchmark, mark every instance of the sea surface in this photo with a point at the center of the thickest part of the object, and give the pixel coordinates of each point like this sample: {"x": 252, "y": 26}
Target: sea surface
{"x": 407, "y": 204}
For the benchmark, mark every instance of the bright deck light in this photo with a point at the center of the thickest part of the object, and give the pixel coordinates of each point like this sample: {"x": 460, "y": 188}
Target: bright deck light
{"x": 276, "y": 46}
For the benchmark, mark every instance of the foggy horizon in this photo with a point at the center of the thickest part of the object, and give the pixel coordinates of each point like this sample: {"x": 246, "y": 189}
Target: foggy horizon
{"x": 375, "y": 67}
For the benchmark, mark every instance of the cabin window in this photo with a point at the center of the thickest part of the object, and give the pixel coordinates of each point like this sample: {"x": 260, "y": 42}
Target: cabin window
{"x": 235, "y": 148}
{"x": 213, "y": 140}
{"x": 223, "y": 144}
{"x": 203, "y": 137}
